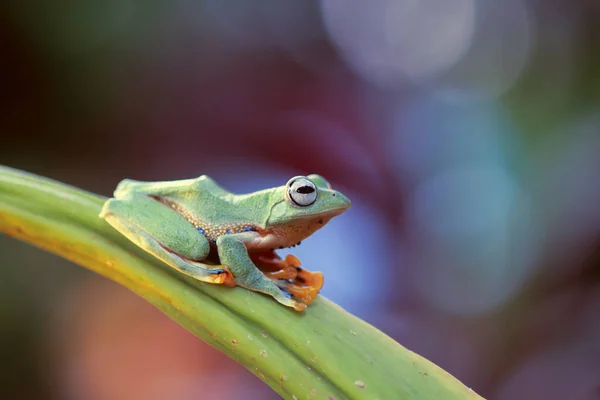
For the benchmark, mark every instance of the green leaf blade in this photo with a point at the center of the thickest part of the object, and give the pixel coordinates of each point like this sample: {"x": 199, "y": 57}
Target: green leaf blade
{"x": 322, "y": 353}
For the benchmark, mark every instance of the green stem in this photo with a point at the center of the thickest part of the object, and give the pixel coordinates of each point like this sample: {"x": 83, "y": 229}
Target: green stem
{"x": 322, "y": 353}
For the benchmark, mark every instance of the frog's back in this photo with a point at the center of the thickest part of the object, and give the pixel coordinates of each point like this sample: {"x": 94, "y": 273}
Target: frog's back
{"x": 201, "y": 197}
{"x": 202, "y": 185}
{"x": 215, "y": 205}
{"x": 205, "y": 199}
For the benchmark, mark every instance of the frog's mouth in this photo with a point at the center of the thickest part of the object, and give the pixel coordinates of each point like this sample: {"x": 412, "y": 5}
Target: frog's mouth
{"x": 322, "y": 215}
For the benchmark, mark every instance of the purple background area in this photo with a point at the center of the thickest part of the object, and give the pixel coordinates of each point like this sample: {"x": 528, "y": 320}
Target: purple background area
{"x": 466, "y": 133}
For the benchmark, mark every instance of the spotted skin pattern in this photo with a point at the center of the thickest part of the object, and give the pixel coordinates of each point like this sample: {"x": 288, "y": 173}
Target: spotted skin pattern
{"x": 212, "y": 232}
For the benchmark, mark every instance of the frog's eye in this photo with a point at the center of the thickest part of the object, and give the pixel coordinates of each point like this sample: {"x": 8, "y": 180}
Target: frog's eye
{"x": 302, "y": 192}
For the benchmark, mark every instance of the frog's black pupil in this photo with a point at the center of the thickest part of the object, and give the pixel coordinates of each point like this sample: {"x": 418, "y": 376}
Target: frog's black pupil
{"x": 305, "y": 189}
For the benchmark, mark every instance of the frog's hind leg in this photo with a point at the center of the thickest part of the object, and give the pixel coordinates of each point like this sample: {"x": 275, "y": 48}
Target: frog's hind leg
{"x": 165, "y": 234}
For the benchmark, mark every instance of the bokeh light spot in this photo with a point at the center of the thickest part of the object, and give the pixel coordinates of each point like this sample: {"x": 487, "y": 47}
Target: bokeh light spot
{"x": 391, "y": 41}
{"x": 464, "y": 201}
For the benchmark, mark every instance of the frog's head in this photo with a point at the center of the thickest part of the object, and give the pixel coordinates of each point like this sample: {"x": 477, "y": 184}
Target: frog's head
{"x": 303, "y": 205}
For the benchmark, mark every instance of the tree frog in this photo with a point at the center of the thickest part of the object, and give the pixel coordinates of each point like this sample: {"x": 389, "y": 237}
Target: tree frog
{"x": 186, "y": 222}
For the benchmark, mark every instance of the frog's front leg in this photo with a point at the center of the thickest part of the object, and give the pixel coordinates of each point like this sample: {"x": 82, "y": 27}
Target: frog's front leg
{"x": 165, "y": 234}
{"x": 234, "y": 254}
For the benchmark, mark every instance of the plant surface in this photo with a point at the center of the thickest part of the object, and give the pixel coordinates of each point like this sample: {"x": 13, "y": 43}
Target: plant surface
{"x": 322, "y": 353}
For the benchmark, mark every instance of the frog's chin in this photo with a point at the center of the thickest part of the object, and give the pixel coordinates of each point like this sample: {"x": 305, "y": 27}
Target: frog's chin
{"x": 289, "y": 234}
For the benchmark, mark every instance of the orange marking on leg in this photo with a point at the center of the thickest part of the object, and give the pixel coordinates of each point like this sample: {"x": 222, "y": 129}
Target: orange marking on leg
{"x": 224, "y": 278}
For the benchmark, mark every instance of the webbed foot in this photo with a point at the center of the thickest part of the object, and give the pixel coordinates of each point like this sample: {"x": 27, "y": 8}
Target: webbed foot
{"x": 305, "y": 287}
{"x": 299, "y": 283}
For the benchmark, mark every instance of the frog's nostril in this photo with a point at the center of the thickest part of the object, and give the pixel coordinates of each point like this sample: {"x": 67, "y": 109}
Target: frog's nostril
{"x": 333, "y": 194}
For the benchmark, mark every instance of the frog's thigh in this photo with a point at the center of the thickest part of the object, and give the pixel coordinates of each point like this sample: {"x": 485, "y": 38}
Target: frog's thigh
{"x": 133, "y": 217}
{"x": 164, "y": 225}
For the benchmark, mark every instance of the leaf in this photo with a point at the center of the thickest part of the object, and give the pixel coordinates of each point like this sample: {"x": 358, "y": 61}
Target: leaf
{"x": 322, "y": 353}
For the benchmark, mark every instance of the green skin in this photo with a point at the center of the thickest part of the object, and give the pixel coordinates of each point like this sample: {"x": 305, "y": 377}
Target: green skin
{"x": 180, "y": 222}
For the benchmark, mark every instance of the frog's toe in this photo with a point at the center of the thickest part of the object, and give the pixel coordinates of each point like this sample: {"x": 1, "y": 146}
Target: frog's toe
{"x": 304, "y": 288}
{"x": 221, "y": 275}
{"x": 287, "y": 298}
{"x": 314, "y": 280}
{"x": 297, "y": 294}
{"x": 292, "y": 261}
{"x": 306, "y": 294}
{"x": 298, "y": 306}
{"x": 282, "y": 274}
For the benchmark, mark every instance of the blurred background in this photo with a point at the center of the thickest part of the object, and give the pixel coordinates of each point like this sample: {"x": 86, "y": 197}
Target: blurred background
{"x": 466, "y": 133}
